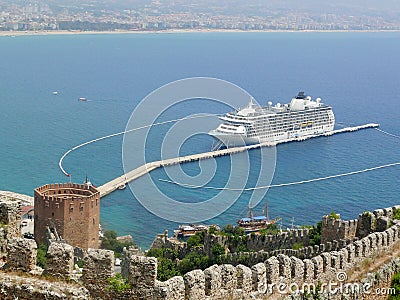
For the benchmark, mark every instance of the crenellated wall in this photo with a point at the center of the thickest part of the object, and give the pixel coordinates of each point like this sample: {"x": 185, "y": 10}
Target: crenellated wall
{"x": 73, "y": 210}
{"x": 262, "y": 243}
{"x": 225, "y": 281}
{"x": 215, "y": 282}
{"x": 337, "y": 229}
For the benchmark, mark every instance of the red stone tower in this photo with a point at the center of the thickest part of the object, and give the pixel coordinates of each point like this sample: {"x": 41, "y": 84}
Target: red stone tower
{"x": 73, "y": 210}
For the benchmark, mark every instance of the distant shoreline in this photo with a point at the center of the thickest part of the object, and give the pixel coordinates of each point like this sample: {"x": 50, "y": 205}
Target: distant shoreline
{"x": 79, "y": 32}
{"x": 25, "y": 199}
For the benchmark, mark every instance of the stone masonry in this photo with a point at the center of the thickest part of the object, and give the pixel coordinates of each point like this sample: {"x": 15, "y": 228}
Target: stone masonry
{"x": 216, "y": 282}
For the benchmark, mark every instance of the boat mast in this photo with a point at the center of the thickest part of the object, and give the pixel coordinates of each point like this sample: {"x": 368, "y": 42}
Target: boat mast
{"x": 266, "y": 208}
{"x": 251, "y": 214}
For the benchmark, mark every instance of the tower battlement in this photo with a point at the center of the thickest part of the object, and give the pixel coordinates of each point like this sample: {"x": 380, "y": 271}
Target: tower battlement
{"x": 73, "y": 210}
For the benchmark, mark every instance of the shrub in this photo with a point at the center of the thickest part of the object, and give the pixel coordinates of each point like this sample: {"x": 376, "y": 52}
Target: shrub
{"x": 195, "y": 240}
{"x": 212, "y": 230}
{"x": 315, "y": 234}
{"x": 396, "y": 285}
{"x": 110, "y": 242}
{"x": 155, "y": 252}
{"x": 217, "y": 250}
{"x": 80, "y": 263}
{"x": 396, "y": 214}
{"x": 118, "y": 284}
{"x": 270, "y": 230}
{"x": 41, "y": 256}
{"x": 231, "y": 230}
{"x": 193, "y": 261}
{"x": 334, "y": 215}
{"x": 166, "y": 269}
{"x": 298, "y": 246}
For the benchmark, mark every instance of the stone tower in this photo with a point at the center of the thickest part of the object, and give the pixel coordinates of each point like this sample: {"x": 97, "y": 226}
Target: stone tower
{"x": 72, "y": 211}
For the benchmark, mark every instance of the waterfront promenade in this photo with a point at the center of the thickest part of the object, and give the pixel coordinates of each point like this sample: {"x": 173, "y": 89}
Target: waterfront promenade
{"x": 124, "y": 179}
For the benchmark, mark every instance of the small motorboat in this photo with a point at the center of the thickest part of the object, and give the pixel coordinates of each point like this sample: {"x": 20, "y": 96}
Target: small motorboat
{"x": 82, "y": 99}
{"x": 122, "y": 186}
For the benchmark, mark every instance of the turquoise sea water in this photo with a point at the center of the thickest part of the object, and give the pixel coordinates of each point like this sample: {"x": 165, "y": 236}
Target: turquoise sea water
{"x": 357, "y": 73}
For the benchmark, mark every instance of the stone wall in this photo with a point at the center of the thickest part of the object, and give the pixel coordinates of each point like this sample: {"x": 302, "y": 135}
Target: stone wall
{"x": 73, "y": 210}
{"x": 337, "y": 229}
{"x": 20, "y": 287}
{"x": 282, "y": 240}
{"x": 227, "y": 281}
{"x": 251, "y": 258}
{"x": 10, "y": 218}
{"x": 372, "y": 286}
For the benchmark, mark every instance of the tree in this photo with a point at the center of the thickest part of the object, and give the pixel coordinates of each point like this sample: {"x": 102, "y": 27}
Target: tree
{"x": 233, "y": 230}
{"x": 166, "y": 269}
{"x": 110, "y": 242}
{"x": 118, "y": 284}
{"x": 217, "y": 250}
{"x": 195, "y": 240}
{"x": 193, "y": 261}
{"x": 315, "y": 234}
{"x": 41, "y": 256}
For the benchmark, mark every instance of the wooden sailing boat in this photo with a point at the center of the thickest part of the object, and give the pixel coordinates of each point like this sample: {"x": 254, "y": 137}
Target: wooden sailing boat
{"x": 256, "y": 223}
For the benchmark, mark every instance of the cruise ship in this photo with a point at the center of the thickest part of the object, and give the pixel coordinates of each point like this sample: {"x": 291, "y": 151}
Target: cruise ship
{"x": 300, "y": 119}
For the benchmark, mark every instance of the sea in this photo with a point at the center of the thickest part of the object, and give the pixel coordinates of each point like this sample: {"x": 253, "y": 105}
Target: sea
{"x": 357, "y": 73}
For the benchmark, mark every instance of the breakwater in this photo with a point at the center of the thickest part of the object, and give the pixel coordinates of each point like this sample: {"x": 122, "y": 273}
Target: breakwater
{"x": 113, "y": 185}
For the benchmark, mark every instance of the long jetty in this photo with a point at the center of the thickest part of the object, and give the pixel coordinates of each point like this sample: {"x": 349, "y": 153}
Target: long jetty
{"x": 124, "y": 179}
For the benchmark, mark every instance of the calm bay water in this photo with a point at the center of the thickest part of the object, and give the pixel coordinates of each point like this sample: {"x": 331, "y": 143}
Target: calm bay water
{"x": 357, "y": 73}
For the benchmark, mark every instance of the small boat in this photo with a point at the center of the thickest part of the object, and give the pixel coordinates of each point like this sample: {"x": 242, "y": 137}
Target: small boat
{"x": 185, "y": 231}
{"x": 82, "y": 99}
{"x": 122, "y": 186}
{"x": 55, "y": 93}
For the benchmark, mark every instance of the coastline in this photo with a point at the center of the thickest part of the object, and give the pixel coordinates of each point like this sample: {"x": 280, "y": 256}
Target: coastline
{"x": 25, "y": 199}
{"x": 173, "y": 31}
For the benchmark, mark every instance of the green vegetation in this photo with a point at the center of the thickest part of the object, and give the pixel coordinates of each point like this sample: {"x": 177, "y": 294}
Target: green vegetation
{"x": 166, "y": 269}
{"x": 193, "y": 261}
{"x": 396, "y": 214}
{"x": 169, "y": 266}
{"x": 298, "y": 246}
{"x": 110, "y": 242}
{"x": 80, "y": 263}
{"x": 230, "y": 230}
{"x": 315, "y": 234}
{"x": 217, "y": 250}
{"x": 334, "y": 215}
{"x": 41, "y": 256}
{"x": 213, "y": 230}
{"x": 270, "y": 230}
{"x": 367, "y": 214}
{"x": 195, "y": 240}
{"x": 396, "y": 285}
{"x": 118, "y": 284}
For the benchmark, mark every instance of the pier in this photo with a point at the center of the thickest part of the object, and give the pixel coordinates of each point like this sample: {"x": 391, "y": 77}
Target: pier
{"x": 124, "y": 179}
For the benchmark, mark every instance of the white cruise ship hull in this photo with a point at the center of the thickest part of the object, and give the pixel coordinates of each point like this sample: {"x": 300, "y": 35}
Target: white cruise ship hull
{"x": 301, "y": 119}
{"x": 234, "y": 140}
{"x": 237, "y": 140}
